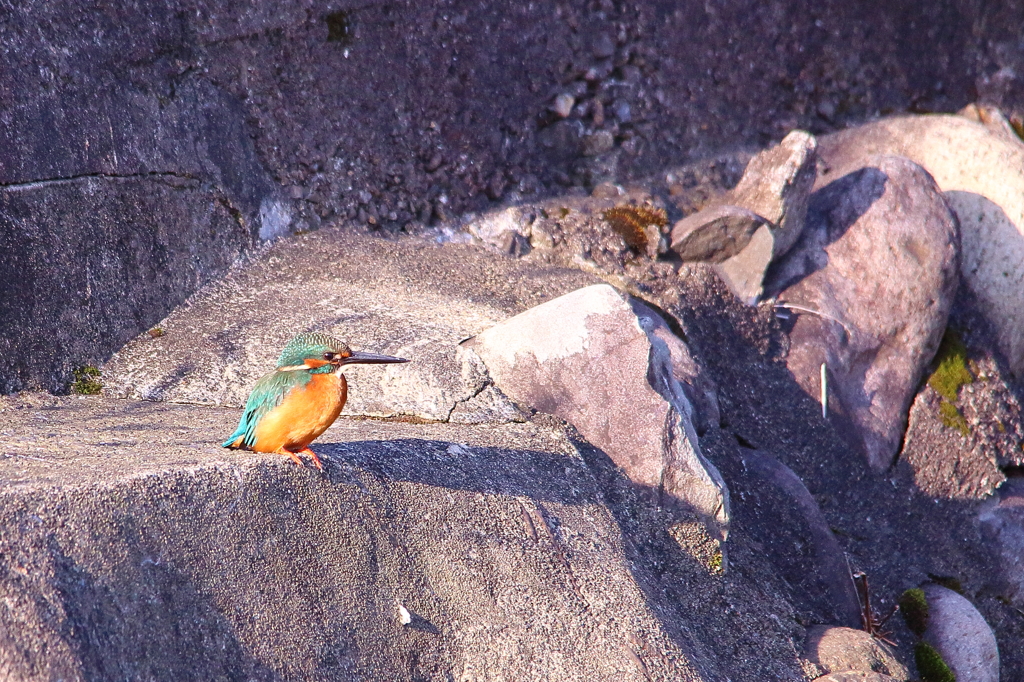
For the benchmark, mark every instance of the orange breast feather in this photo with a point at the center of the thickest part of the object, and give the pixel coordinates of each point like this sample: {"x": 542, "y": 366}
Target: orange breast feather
{"x": 303, "y": 415}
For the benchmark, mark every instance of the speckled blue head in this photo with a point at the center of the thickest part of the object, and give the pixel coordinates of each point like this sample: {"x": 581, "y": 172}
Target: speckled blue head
{"x": 311, "y": 345}
{"x": 319, "y": 353}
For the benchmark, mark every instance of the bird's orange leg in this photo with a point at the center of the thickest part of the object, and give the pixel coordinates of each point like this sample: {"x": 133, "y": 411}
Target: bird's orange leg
{"x": 295, "y": 457}
{"x": 316, "y": 460}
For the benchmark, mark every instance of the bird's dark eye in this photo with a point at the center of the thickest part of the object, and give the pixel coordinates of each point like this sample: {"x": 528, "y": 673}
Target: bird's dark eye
{"x": 329, "y": 356}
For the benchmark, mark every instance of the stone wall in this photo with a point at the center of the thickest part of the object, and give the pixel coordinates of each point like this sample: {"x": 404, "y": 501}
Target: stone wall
{"x": 147, "y": 145}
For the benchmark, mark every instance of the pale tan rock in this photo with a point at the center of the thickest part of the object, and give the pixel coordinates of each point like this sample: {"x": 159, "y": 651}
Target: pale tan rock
{"x": 870, "y": 285}
{"x": 980, "y": 172}
{"x": 777, "y": 185}
{"x": 744, "y": 273}
{"x": 839, "y": 650}
{"x": 960, "y": 634}
{"x": 589, "y": 358}
{"x": 756, "y": 222}
{"x": 992, "y": 118}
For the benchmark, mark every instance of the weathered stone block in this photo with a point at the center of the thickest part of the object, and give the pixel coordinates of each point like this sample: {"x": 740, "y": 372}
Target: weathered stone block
{"x": 591, "y": 359}
{"x": 134, "y": 547}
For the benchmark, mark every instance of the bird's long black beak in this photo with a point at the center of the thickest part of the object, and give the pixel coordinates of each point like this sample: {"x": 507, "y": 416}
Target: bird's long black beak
{"x": 360, "y": 358}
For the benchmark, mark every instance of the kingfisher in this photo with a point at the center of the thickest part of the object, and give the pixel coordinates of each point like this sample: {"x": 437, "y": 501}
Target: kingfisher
{"x": 290, "y": 407}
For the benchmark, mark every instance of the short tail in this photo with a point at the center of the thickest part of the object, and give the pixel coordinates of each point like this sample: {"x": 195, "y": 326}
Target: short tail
{"x": 234, "y": 442}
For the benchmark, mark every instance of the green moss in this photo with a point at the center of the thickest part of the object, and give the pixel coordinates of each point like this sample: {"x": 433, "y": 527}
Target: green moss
{"x": 930, "y": 665}
{"x": 87, "y": 381}
{"x": 914, "y": 609}
{"x": 952, "y": 418}
{"x": 716, "y": 562}
{"x": 951, "y": 367}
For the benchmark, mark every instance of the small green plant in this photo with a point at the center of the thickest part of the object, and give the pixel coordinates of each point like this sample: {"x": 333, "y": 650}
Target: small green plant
{"x": 951, "y": 417}
{"x": 716, "y": 562}
{"x": 951, "y": 368}
{"x": 87, "y": 381}
{"x": 950, "y": 374}
{"x": 930, "y": 664}
{"x": 914, "y": 609}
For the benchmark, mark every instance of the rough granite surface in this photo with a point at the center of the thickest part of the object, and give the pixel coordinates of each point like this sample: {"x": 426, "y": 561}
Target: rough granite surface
{"x": 411, "y": 298}
{"x": 131, "y": 538}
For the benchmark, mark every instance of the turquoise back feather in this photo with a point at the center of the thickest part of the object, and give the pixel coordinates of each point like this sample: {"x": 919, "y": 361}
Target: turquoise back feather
{"x": 266, "y": 395}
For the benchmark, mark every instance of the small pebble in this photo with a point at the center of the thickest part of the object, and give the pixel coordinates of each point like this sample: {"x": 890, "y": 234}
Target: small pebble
{"x": 435, "y": 162}
{"x": 598, "y": 143}
{"x": 563, "y": 104}
{"x": 603, "y": 46}
{"x": 607, "y": 190}
{"x": 622, "y": 112}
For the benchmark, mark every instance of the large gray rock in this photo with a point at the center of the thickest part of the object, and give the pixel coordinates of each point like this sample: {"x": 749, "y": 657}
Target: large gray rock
{"x": 597, "y": 360}
{"x": 1002, "y": 523}
{"x": 870, "y": 284}
{"x": 134, "y": 214}
{"x": 960, "y": 634}
{"x": 838, "y": 650}
{"x": 412, "y": 298}
{"x": 134, "y": 547}
{"x": 979, "y": 171}
{"x": 757, "y": 221}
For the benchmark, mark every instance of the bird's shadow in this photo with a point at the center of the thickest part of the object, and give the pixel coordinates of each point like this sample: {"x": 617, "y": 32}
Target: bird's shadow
{"x": 539, "y": 475}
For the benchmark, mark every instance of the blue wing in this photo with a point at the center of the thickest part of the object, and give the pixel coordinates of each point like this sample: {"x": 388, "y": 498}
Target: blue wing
{"x": 266, "y": 395}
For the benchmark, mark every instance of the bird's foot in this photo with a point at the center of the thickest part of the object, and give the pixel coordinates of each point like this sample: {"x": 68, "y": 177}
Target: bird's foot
{"x": 316, "y": 460}
{"x": 294, "y": 456}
